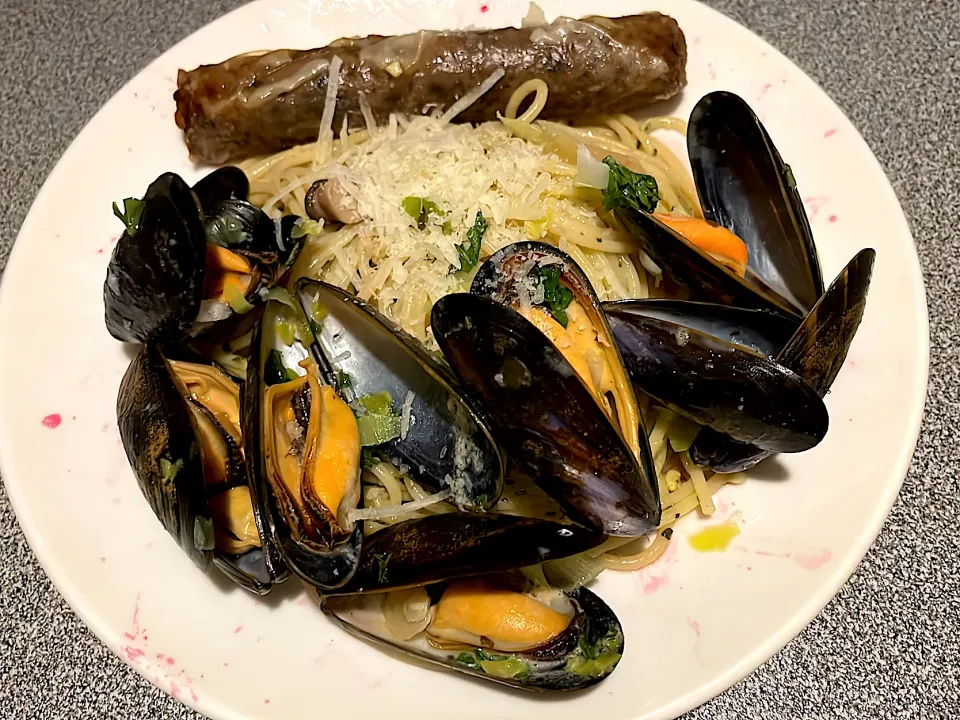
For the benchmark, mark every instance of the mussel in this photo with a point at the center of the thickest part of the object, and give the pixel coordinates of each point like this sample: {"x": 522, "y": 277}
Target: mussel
{"x": 816, "y": 352}
{"x": 407, "y": 410}
{"x": 193, "y": 257}
{"x": 496, "y": 627}
{"x": 719, "y": 384}
{"x": 180, "y": 427}
{"x": 550, "y": 376}
{"x": 303, "y": 448}
{"x": 751, "y": 204}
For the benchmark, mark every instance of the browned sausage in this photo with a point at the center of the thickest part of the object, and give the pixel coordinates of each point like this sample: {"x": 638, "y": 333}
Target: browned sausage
{"x": 255, "y": 104}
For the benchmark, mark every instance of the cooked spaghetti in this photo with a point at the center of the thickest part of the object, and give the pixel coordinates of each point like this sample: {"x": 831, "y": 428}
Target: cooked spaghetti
{"x": 417, "y": 183}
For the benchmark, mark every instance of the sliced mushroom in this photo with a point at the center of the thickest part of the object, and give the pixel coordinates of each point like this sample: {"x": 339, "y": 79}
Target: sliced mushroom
{"x": 329, "y": 200}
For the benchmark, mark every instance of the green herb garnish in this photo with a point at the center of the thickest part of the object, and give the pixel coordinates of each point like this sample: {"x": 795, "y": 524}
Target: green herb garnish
{"x": 420, "y": 210}
{"x": 342, "y": 380}
{"x": 368, "y": 458}
{"x": 556, "y": 296}
{"x": 377, "y": 421}
{"x": 598, "y": 658}
{"x": 625, "y": 188}
{"x": 132, "y": 210}
{"x": 305, "y": 226}
{"x": 382, "y": 560}
{"x": 791, "y": 180}
{"x": 469, "y": 251}
{"x": 169, "y": 470}
{"x": 275, "y": 372}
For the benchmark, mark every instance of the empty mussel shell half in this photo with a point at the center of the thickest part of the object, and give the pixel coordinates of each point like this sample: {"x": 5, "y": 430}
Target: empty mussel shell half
{"x": 744, "y": 185}
{"x": 816, "y": 352}
{"x": 764, "y": 331}
{"x": 429, "y": 549}
{"x": 545, "y": 416}
{"x": 494, "y": 628}
{"x": 180, "y": 427}
{"x": 303, "y": 450}
{"x": 409, "y": 413}
{"x": 727, "y": 387}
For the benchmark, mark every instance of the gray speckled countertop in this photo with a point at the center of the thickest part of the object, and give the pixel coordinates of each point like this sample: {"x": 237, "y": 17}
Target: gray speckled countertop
{"x": 886, "y": 646}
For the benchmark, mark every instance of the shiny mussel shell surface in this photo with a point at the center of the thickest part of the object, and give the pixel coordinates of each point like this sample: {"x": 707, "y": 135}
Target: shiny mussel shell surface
{"x": 443, "y": 442}
{"x": 721, "y": 385}
{"x": 439, "y": 547}
{"x": 179, "y": 424}
{"x": 744, "y": 185}
{"x": 816, "y": 353}
{"x": 548, "y": 420}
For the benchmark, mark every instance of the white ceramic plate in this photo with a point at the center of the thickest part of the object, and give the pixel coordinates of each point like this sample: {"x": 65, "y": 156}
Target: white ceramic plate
{"x": 694, "y": 623}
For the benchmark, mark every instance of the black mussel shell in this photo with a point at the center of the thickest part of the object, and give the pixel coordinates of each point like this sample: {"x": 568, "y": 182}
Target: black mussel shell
{"x": 452, "y": 545}
{"x": 745, "y": 186}
{"x": 154, "y": 281}
{"x": 545, "y": 417}
{"x": 723, "y": 386}
{"x": 689, "y": 267}
{"x": 321, "y": 566}
{"x": 224, "y": 183}
{"x": 582, "y": 655}
{"x": 446, "y": 443}
{"x": 160, "y": 437}
{"x": 242, "y": 227}
{"x": 764, "y": 331}
{"x": 816, "y": 352}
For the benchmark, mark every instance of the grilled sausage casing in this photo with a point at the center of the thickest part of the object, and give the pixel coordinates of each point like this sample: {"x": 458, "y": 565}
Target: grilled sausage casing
{"x": 260, "y": 103}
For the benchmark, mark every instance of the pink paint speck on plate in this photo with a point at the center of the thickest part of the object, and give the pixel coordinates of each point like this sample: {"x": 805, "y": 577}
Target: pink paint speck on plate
{"x": 832, "y": 218}
{"x": 654, "y": 584}
{"x": 695, "y": 626}
{"x": 52, "y": 420}
{"x": 830, "y": 133}
{"x": 238, "y": 629}
{"x": 813, "y": 562}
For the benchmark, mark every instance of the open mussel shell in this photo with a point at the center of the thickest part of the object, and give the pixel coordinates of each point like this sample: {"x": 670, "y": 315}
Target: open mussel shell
{"x": 190, "y": 467}
{"x": 443, "y": 442}
{"x": 816, "y": 352}
{"x": 545, "y": 416}
{"x": 284, "y": 401}
{"x": 154, "y": 281}
{"x": 761, "y": 330}
{"x": 727, "y": 387}
{"x": 744, "y": 185}
{"x": 583, "y": 645}
{"x": 688, "y": 266}
{"x": 425, "y": 550}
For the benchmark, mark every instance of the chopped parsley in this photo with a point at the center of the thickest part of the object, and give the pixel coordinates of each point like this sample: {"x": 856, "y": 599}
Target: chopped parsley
{"x": 275, "y": 372}
{"x": 420, "y": 209}
{"x": 501, "y": 666}
{"x": 382, "y": 560}
{"x": 368, "y": 458}
{"x": 625, "y": 188}
{"x": 132, "y": 210}
{"x": 556, "y": 296}
{"x": 791, "y": 180}
{"x": 342, "y": 380}
{"x": 596, "y": 659}
{"x": 169, "y": 469}
{"x": 469, "y": 251}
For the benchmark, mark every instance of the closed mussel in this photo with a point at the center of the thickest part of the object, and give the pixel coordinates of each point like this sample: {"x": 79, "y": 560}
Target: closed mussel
{"x": 180, "y": 427}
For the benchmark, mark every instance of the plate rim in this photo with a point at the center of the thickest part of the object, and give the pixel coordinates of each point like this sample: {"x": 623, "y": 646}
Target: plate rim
{"x": 827, "y": 589}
